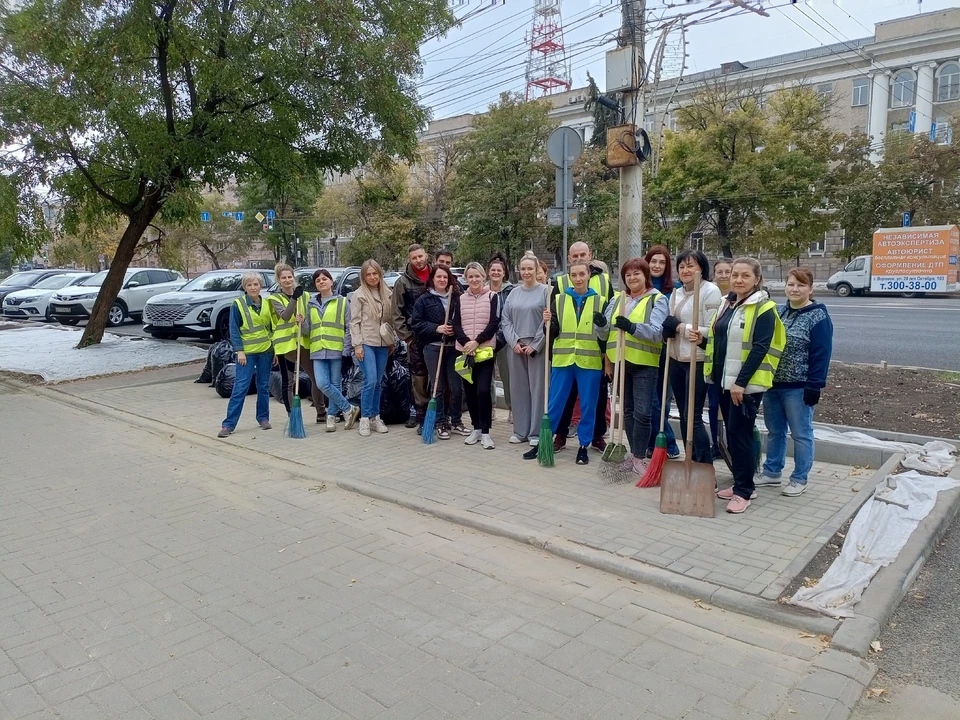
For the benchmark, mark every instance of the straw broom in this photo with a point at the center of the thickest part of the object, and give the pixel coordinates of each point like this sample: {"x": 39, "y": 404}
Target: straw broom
{"x": 295, "y": 427}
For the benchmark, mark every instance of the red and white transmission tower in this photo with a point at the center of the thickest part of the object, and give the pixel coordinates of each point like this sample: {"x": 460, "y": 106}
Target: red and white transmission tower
{"x": 547, "y": 69}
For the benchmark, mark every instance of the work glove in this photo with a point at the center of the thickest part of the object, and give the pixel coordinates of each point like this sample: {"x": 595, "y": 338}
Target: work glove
{"x": 624, "y": 324}
{"x": 670, "y": 325}
{"x": 599, "y": 319}
{"x": 811, "y": 396}
{"x": 298, "y": 293}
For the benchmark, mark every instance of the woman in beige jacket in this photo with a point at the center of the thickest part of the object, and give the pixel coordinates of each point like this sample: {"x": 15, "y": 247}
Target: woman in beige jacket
{"x": 373, "y": 336}
{"x": 678, "y": 326}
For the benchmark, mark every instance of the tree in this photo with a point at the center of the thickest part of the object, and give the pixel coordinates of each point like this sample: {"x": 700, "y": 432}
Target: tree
{"x": 293, "y": 199}
{"x": 598, "y": 199}
{"x": 603, "y": 117}
{"x": 436, "y": 169}
{"x": 219, "y": 241}
{"x": 129, "y": 109}
{"x": 504, "y": 181}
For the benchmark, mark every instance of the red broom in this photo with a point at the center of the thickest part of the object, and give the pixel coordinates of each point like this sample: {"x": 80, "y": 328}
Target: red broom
{"x": 651, "y": 478}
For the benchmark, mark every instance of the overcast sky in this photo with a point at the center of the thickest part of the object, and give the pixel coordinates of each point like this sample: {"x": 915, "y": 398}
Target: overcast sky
{"x": 467, "y": 69}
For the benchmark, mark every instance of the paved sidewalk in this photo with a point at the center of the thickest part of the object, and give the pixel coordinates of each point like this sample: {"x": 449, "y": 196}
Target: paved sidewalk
{"x": 751, "y": 552}
{"x": 144, "y": 577}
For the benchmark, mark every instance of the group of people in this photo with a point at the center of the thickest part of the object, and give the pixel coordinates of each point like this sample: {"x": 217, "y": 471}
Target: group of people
{"x": 745, "y": 351}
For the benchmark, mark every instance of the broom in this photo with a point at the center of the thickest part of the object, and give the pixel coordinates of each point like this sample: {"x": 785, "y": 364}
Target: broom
{"x": 615, "y": 452}
{"x": 651, "y": 478}
{"x": 545, "y": 446}
{"x": 427, "y": 433}
{"x": 295, "y": 427}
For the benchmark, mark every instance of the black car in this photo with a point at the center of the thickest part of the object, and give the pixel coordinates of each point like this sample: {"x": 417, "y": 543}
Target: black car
{"x": 25, "y": 280}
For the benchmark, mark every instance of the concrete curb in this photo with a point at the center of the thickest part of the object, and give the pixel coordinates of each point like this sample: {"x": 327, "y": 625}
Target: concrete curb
{"x": 884, "y": 594}
{"x": 831, "y": 691}
{"x": 725, "y": 598}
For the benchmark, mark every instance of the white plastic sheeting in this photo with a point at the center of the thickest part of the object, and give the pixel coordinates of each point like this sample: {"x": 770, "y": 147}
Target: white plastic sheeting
{"x": 934, "y": 457}
{"x": 50, "y": 351}
{"x": 876, "y": 537}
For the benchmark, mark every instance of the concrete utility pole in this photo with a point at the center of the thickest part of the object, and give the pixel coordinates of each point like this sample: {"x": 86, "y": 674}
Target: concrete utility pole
{"x": 631, "y": 178}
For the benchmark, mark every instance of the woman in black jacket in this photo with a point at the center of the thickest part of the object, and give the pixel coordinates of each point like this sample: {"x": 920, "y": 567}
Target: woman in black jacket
{"x": 431, "y": 332}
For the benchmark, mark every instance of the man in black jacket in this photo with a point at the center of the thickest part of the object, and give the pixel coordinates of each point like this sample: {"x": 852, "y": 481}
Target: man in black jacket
{"x": 407, "y": 289}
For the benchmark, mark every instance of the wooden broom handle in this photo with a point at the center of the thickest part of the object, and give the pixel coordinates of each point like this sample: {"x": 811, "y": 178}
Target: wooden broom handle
{"x": 546, "y": 360}
{"x": 692, "y": 382}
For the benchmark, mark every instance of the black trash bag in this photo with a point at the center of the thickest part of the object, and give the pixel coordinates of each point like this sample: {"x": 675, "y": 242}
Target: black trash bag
{"x": 400, "y": 352}
{"x": 352, "y": 386}
{"x": 227, "y": 377}
{"x": 221, "y": 354}
{"x": 276, "y": 385}
{"x": 206, "y": 376}
{"x": 395, "y": 392}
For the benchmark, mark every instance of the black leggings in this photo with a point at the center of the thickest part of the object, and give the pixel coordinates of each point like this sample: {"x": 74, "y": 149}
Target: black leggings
{"x": 478, "y": 395}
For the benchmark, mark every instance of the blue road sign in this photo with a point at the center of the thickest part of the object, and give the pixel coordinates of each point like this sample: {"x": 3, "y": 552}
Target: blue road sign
{"x": 271, "y": 214}
{"x": 227, "y": 214}
{"x": 204, "y": 217}
{"x": 238, "y": 216}
{"x": 906, "y": 219}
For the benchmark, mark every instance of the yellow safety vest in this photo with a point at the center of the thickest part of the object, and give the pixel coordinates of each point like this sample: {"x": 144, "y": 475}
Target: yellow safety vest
{"x": 285, "y": 331}
{"x": 600, "y": 284}
{"x": 327, "y": 329}
{"x": 577, "y": 342}
{"x": 254, "y": 326}
{"x": 763, "y": 377}
{"x": 637, "y": 351}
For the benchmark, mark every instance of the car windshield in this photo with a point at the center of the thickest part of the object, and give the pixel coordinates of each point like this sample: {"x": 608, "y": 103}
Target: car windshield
{"x": 95, "y": 280}
{"x": 22, "y": 279}
{"x": 55, "y": 283}
{"x": 214, "y": 283}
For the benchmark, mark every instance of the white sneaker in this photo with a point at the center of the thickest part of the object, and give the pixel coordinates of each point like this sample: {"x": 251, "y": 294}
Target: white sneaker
{"x": 761, "y": 480}
{"x": 350, "y": 417}
{"x": 331, "y": 423}
{"x": 516, "y": 439}
{"x": 487, "y": 442}
{"x": 364, "y": 427}
{"x": 473, "y": 438}
{"x": 794, "y": 488}
{"x": 378, "y": 425}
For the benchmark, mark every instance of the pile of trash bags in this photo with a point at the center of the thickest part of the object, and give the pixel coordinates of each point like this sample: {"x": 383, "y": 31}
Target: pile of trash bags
{"x": 395, "y": 397}
{"x": 226, "y": 378}
{"x": 276, "y": 385}
{"x": 219, "y": 356}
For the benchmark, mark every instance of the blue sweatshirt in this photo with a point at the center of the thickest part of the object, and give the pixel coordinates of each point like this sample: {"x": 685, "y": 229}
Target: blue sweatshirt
{"x": 806, "y": 358}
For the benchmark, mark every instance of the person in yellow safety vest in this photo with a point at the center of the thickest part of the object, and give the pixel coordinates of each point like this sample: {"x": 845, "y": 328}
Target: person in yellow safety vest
{"x": 576, "y": 321}
{"x": 639, "y": 312}
{"x": 289, "y": 306}
{"x": 250, "y": 323}
{"x": 743, "y": 349}
{"x": 327, "y": 330}
{"x": 600, "y": 283}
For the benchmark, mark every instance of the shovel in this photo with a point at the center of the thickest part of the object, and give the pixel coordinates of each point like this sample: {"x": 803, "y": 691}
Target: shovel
{"x": 687, "y": 488}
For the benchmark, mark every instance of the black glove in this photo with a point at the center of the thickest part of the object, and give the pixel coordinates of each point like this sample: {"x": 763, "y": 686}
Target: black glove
{"x": 670, "y": 325}
{"x": 599, "y": 319}
{"x": 298, "y": 293}
{"x": 624, "y": 324}
{"x": 811, "y": 396}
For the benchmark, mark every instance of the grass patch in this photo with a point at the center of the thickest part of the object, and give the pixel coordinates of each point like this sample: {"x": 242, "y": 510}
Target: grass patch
{"x": 949, "y": 376}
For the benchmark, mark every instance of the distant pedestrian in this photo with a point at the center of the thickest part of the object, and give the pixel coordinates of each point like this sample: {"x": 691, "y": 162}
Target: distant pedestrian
{"x": 800, "y": 377}
{"x": 721, "y": 278}
{"x": 250, "y": 322}
{"x": 661, "y": 275}
{"x": 411, "y": 285}
{"x": 373, "y": 337}
{"x": 499, "y": 282}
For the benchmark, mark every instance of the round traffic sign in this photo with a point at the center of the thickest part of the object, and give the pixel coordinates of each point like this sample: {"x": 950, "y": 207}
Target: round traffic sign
{"x": 555, "y": 145}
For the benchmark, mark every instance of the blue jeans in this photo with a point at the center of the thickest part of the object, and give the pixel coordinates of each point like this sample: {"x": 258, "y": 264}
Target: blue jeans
{"x": 783, "y": 408}
{"x": 374, "y": 364}
{"x": 258, "y": 364}
{"x": 588, "y": 385}
{"x": 327, "y": 373}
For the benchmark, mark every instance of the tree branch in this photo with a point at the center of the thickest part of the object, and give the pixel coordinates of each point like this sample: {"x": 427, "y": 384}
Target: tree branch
{"x": 163, "y": 51}
{"x": 75, "y": 156}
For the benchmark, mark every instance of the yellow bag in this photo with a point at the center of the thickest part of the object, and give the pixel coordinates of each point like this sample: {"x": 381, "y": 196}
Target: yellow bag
{"x": 464, "y": 364}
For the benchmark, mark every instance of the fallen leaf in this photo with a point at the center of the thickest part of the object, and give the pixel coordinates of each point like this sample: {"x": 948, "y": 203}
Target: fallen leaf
{"x": 918, "y": 596}
{"x": 699, "y": 604}
{"x": 810, "y": 582}
{"x": 807, "y": 635}
{"x": 825, "y": 640}
{"x": 876, "y": 692}
{"x": 875, "y": 647}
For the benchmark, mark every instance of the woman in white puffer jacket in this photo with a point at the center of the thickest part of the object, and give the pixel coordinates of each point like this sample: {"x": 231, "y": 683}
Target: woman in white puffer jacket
{"x": 677, "y": 326}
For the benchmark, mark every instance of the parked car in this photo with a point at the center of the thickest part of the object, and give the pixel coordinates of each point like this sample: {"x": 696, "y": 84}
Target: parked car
{"x": 201, "y": 308}
{"x": 24, "y": 280}
{"x": 345, "y": 280}
{"x": 34, "y": 303}
{"x": 71, "y": 305}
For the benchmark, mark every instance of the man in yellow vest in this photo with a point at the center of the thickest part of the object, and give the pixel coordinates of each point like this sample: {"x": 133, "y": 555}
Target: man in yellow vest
{"x": 576, "y": 322}
{"x": 250, "y": 326}
{"x": 599, "y": 282}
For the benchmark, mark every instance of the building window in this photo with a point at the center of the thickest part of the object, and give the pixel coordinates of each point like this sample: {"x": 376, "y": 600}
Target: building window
{"x": 648, "y": 123}
{"x": 824, "y": 89}
{"x": 861, "y": 92}
{"x": 900, "y": 127}
{"x": 948, "y": 86}
{"x": 696, "y": 241}
{"x": 941, "y": 132}
{"x": 904, "y": 84}
{"x": 818, "y": 247}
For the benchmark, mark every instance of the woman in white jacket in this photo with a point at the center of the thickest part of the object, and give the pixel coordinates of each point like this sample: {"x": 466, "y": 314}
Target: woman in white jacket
{"x": 678, "y": 325}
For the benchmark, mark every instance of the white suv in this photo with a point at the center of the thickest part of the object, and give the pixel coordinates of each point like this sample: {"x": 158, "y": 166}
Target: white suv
{"x": 73, "y": 304}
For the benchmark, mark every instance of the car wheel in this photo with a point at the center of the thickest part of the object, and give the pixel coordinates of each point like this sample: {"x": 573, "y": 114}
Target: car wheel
{"x": 67, "y": 321}
{"x": 844, "y": 290}
{"x": 116, "y": 315}
{"x": 909, "y": 295}
{"x": 47, "y": 316}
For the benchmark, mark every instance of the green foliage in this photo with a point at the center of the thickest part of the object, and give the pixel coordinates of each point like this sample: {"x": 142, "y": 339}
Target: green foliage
{"x": 218, "y": 242}
{"x": 603, "y": 118}
{"x": 597, "y": 190}
{"x": 293, "y": 199}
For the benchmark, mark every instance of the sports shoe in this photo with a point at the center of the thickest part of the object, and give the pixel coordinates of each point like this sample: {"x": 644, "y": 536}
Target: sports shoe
{"x": 599, "y": 444}
{"x": 761, "y": 480}
{"x": 224, "y": 432}
{"x": 473, "y": 438}
{"x": 516, "y": 439}
{"x": 420, "y": 429}
{"x": 531, "y": 454}
{"x": 559, "y": 443}
{"x": 443, "y": 432}
{"x": 582, "y": 457}
{"x": 640, "y": 466}
{"x": 350, "y": 417}
{"x": 460, "y": 429}
{"x": 737, "y": 505}
{"x": 364, "y": 427}
{"x": 486, "y": 441}
{"x": 411, "y": 422}
{"x": 265, "y": 425}
{"x": 629, "y": 465}
{"x": 727, "y": 494}
{"x": 378, "y": 425}
{"x": 331, "y": 423}
{"x": 321, "y": 419}
{"x": 672, "y": 454}
{"x": 794, "y": 488}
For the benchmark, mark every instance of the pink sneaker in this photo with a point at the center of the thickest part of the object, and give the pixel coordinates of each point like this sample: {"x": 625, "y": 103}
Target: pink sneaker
{"x": 737, "y": 505}
{"x": 727, "y": 494}
{"x": 633, "y": 465}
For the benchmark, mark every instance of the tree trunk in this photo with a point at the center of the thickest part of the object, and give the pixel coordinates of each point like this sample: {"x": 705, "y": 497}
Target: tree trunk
{"x": 93, "y": 332}
{"x": 212, "y": 255}
{"x": 723, "y": 232}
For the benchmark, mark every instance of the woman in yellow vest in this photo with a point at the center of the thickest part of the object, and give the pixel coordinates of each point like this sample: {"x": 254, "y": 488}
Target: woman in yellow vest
{"x": 327, "y": 330}
{"x": 577, "y": 320}
{"x": 289, "y": 307}
{"x": 641, "y": 318}
{"x": 250, "y": 337}
{"x": 744, "y": 345}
